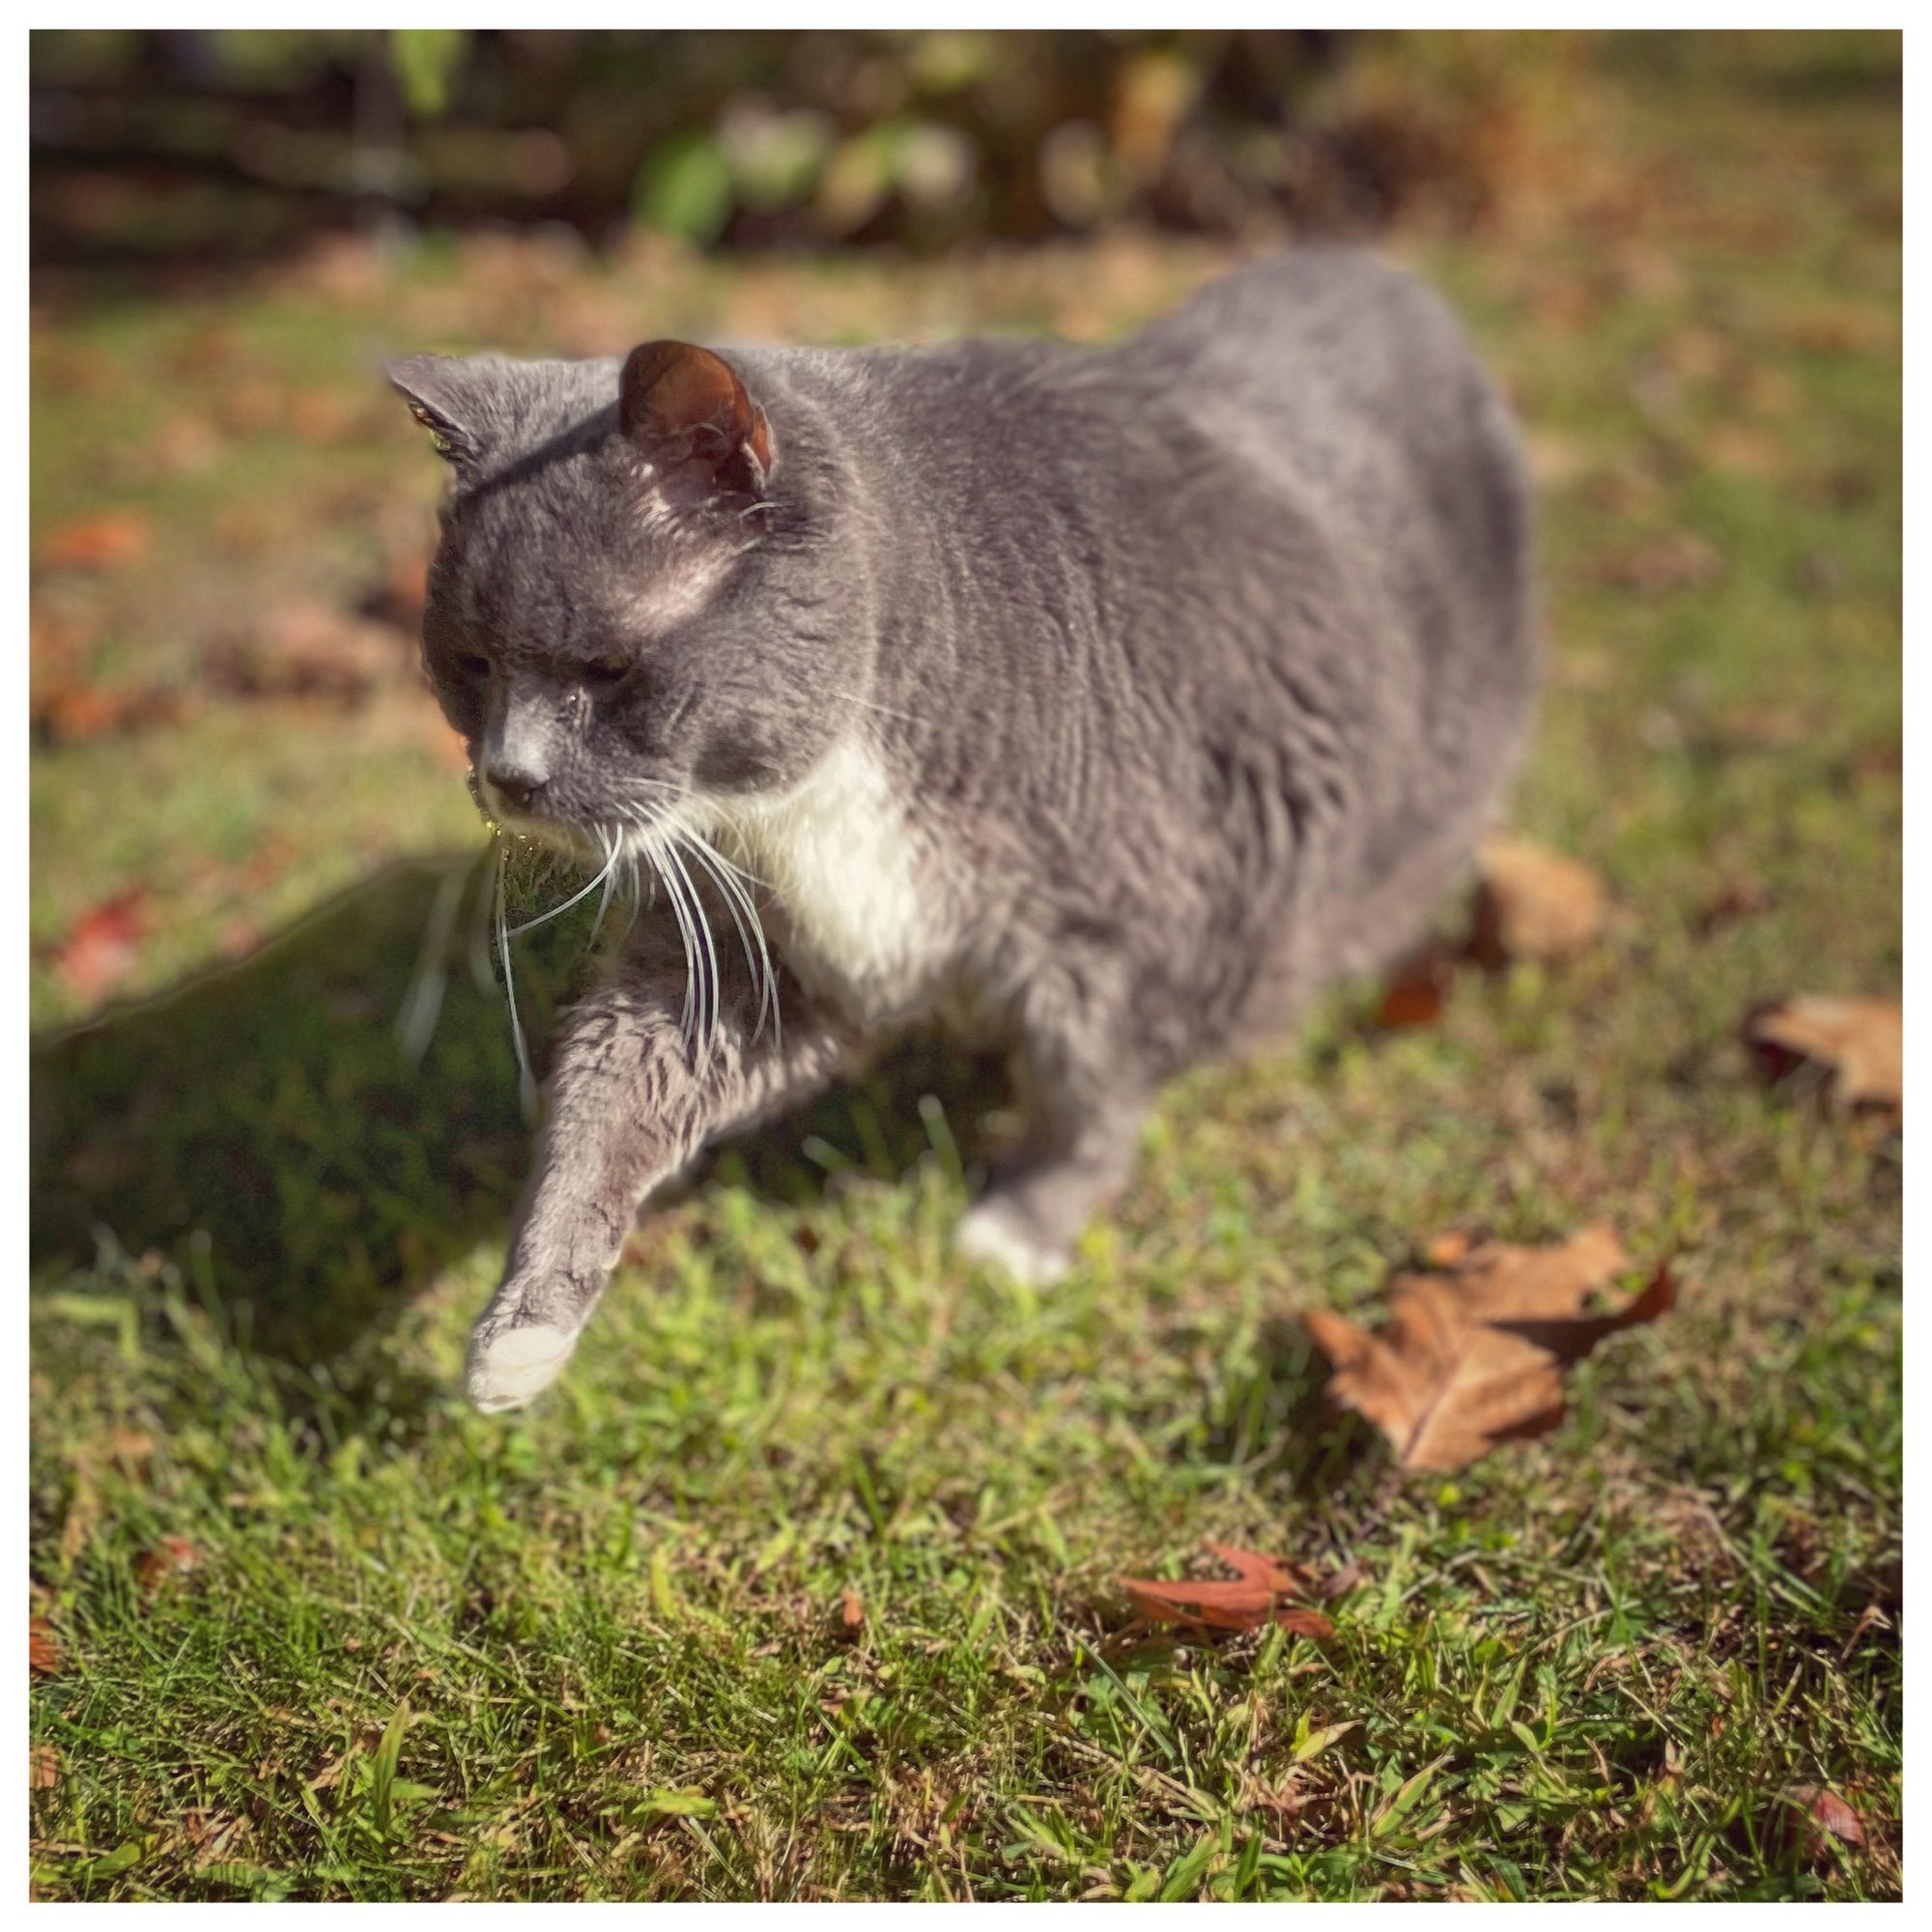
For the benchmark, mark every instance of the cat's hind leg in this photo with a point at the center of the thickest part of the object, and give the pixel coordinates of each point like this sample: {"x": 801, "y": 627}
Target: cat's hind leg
{"x": 1084, "y": 1111}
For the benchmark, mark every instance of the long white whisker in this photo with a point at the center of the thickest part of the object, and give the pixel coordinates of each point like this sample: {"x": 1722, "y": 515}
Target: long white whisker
{"x": 732, "y": 895}
{"x": 614, "y": 847}
{"x": 743, "y": 871}
{"x": 687, "y": 933}
{"x": 556, "y": 911}
{"x": 736, "y": 897}
{"x": 710, "y": 948}
{"x": 526, "y": 1085}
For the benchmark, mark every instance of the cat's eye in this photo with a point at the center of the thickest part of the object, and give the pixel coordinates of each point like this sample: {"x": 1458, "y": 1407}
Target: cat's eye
{"x": 472, "y": 664}
{"x": 606, "y": 672}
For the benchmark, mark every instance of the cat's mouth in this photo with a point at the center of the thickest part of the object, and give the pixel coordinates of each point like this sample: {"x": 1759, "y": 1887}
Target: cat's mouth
{"x": 511, "y": 821}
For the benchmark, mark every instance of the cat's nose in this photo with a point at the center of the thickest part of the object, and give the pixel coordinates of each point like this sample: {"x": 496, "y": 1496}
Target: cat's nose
{"x": 518, "y": 789}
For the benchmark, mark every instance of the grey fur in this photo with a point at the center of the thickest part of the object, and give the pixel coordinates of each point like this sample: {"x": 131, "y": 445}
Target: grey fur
{"x": 1193, "y": 666}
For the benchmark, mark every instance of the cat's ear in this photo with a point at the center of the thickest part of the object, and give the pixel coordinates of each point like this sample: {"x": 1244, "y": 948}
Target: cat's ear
{"x": 443, "y": 396}
{"x": 689, "y": 415}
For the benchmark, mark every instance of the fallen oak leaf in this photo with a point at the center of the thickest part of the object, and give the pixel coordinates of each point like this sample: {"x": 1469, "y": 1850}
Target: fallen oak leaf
{"x": 1862, "y": 1041}
{"x": 1475, "y": 1357}
{"x": 44, "y": 1656}
{"x": 1252, "y": 1600}
{"x": 1529, "y": 902}
{"x": 1533, "y": 904}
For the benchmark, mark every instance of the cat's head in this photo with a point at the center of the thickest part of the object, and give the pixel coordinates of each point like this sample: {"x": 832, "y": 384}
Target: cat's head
{"x": 629, "y": 610}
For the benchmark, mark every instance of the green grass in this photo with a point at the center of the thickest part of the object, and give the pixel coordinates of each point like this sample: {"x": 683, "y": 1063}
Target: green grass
{"x": 598, "y": 1651}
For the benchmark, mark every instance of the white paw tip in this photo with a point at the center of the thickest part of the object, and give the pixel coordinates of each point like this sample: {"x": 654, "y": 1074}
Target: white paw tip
{"x": 986, "y": 1235}
{"x": 518, "y": 1364}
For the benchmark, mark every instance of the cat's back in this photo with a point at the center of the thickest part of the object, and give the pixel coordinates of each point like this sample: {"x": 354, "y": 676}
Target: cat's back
{"x": 1350, "y": 380}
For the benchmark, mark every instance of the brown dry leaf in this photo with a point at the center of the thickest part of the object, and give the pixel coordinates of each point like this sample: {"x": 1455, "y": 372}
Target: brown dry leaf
{"x": 1475, "y": 1357}
{"x": 108, "y": 541}
{"x": 1808, "y": 1817}
{"x": 1418, "y": 989}
{"x": 851, "y": 1608}
{"x": 1862, "y": 1041}
{"x": 1247, "y": 1604}
{"x": 44, "y": 1768}
{"x": 44, "y": 1656}
{"x": 172, "y": 1556}
{"x": 1447, "y": 1249}
{"x": 1533, "y": 903}
{"x": 214, "y": 1835}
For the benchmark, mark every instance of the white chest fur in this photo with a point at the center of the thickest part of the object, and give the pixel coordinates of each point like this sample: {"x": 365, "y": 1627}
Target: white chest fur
{"x": 844, "y": 867}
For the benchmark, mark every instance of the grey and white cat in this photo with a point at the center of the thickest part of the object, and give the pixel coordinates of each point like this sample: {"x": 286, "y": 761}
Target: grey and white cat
{"x": 1105, "y": 701}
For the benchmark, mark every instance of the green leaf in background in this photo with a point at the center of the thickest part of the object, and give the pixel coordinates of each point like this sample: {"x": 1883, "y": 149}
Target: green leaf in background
{"x": 684, "y": 189}
{"x": 775, "y": 158}
{"x": 427, "y": 60}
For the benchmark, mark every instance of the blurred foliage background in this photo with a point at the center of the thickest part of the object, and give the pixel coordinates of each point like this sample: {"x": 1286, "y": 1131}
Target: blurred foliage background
{"x": 218, "y": 143}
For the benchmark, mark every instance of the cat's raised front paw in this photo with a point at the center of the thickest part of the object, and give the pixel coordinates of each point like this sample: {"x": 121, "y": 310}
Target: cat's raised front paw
{"x": 515, "y": 1365}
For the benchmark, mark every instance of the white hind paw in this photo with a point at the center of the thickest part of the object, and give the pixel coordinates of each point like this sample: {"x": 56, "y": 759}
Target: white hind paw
{"x": 516, "y": 1365}
{"x": 993, "y": 1233}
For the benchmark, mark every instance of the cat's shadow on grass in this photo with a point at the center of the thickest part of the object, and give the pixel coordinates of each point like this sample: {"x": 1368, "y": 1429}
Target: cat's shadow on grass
{"x": 269, "y": 1114}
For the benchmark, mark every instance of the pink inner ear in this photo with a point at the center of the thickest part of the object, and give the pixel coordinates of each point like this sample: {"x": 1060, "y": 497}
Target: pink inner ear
{"x": 671, "y": 390}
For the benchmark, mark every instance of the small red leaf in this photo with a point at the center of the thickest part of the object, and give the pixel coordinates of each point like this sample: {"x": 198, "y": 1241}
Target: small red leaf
{"x": 1247, "y": 1603}
{"x": 105, "y": 542}
{"x": 1808, "y": 1817}
{"x": 103, "y": 944}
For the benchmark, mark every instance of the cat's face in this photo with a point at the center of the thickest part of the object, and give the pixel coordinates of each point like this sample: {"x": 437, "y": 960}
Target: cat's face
{"x": 621, "y": 620}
